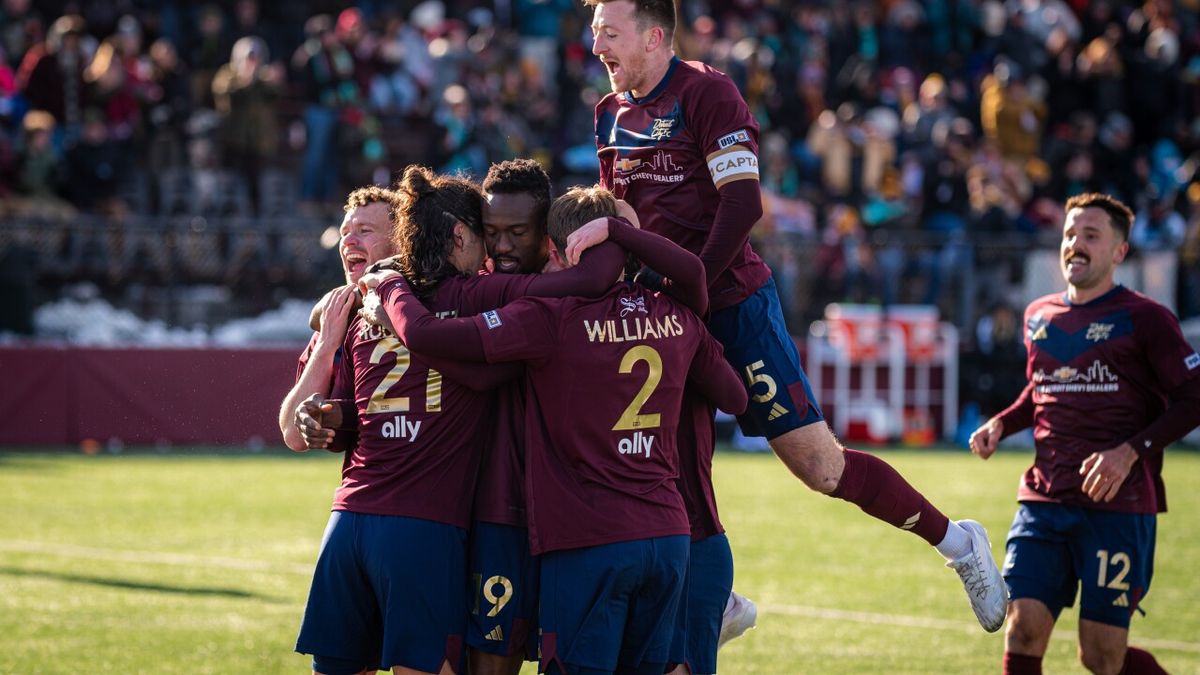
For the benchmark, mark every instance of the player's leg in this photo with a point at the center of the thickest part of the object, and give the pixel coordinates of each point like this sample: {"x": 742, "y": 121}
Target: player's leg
{"x": 1040, "y": 573}
{"x": 503, "y": 601}
{"x": 1115, "y": 557}
{"x": 710, "y": 583}
{"x": 653, "y": 608}
{"x": 584, "y": 598}
{"x": 422, "y": 598}
{"x": 341, "y": 628}
{"x": 783, "y": 408}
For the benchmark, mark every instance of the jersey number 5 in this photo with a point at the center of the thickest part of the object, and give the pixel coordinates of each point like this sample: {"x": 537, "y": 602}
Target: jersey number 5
{"x": 633, "y": 418}
{"x": 379, "y": 399}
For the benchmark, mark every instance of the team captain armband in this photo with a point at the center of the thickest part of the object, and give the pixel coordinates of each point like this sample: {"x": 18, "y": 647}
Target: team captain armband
{"x": 732, "y": 162}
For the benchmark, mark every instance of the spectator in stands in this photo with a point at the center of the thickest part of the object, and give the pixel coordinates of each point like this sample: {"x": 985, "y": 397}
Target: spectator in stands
{"x": 42, "y": 167}
{"x": 51, "y": 76}
{"x": 171, "y": 103}
{"x": 245, "y": 92}
{"x": 95, "y": 166}
{"x": 1010, "y": 116}
{"x": 110, "y": 90}
{"x": 208, "y": 50}
{"x": 1157, "y": 226}
{"x": 326, "y": 71}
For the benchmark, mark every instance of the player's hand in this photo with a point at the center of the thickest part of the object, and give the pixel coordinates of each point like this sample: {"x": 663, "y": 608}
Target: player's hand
{"x": 1106, "y": 472}
{"x": 593, "y": 232}
{"x": 625, "y": 210}
{"x": 317, "y": 317}
{"x": 336, "y": 309}
{"x": 315, "y": 419}
{"x": 985, "y": 439}
{"x": 373, "y": 313}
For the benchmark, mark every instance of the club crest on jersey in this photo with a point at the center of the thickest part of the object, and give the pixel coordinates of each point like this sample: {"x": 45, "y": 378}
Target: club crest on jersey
{"x": 1098, "y": 332}
{"x": 492, "y": 319}
{"x": 629, "y": 305}
{"x": 739, "y": 136}
{"x": 1192, "y": 361}
{"x": 663, "y": 127}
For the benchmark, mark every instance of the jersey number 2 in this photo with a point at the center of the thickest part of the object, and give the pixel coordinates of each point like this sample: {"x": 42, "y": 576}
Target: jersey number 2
{"x": 633, "y": 418}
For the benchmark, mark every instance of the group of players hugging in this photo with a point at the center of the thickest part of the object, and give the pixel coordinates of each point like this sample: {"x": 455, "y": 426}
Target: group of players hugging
{"x": 524, "y": 389}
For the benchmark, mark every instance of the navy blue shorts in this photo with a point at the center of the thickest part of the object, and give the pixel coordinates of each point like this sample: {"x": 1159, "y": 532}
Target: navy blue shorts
{"x": 387, "y": 591}
{"x": 610, "y": 605}
{"x": 707, "y": 588}
{"x": 1055, "y": 549}
{"x": 504, "y": 591}
{"x": 759, "y": 347}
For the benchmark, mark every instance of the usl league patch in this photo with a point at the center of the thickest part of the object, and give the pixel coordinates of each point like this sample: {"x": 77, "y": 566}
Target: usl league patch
{"x": 739, "y": 136}
{"x": 492, "y": 319}
{"x": 1192, "y": 361}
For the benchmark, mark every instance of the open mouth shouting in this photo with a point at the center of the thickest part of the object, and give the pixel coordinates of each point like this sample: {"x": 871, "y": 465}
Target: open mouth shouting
{"x": 355, "y": 262}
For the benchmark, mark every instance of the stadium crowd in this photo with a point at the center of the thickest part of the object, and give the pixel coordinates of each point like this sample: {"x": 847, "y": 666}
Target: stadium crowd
{"x": 903, "y": 143}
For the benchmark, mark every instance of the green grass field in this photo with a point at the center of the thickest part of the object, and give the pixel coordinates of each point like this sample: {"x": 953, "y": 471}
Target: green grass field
{"x": 200, "y": 563}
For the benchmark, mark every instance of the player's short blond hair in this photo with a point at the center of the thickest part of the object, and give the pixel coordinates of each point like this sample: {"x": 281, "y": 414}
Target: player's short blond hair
{"x": 575, "y": 208}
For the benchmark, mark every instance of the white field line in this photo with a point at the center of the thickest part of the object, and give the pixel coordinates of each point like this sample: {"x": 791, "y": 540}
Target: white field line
{"x": 824, "y": 613}
{"x": 158, "y": 557}
{"x": 827, "y": 613}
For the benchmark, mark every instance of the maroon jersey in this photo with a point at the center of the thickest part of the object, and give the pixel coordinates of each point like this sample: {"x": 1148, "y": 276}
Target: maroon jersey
{"x": 1099, "y": 375}
{"x": 420, "y": 434}
{"x": 500, "y": 495}
{"x": 697, "y": 431}
{"x": 604, "y": 382}
{"x": 345, "y": 438}
{"x": 669, "y": 152}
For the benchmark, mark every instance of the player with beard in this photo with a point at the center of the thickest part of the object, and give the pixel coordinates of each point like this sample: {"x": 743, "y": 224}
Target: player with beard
{"x": 366, "y": 238}
{"x": 605, "y": 511}
{"x": 1112, "y": 382}
{"x": 502, "y": 623}
{"x": 678, "y": 142}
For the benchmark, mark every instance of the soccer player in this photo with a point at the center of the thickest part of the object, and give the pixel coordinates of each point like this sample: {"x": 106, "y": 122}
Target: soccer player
{"x": 366, "y": 238}
{"x": 1112, "y": 382}
{"x": 605, "y": 383}
{"x": 677, "y": 141}
{"x": 420, "y": 430}
{"x": 502, "y": 623}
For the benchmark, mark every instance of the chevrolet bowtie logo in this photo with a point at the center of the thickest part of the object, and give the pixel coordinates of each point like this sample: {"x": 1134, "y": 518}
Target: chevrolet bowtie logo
{"x": 624, "y": 165}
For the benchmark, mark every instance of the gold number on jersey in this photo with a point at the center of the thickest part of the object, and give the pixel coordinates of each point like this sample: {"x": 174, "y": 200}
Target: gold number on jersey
{"x": 498, "y": 603}
{"x": 753, "y": 378}
{"x": 379, "y": 399}
{"x": 1119, "y": 559}
{"x": 633, "y": 418}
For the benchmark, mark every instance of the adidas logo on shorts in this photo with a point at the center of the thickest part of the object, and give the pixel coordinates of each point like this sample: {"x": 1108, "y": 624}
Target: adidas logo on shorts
{"x": 496, "y": 635}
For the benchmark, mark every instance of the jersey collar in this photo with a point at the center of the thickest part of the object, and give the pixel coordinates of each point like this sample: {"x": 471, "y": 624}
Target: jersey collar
{"x": 658, "y": 88}
{"x": 1111, "y": 292}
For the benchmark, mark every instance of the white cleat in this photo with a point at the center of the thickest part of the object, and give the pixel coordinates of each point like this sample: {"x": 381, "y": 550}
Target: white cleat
{"x": 740, "y": 616}
{"x": 981, "y": 578}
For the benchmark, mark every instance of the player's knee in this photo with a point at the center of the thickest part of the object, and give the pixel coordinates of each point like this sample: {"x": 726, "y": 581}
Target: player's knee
{"x": 813, "y": 455}
{"x": 1102, "y": 658}
{"x": 1023, "y": 638}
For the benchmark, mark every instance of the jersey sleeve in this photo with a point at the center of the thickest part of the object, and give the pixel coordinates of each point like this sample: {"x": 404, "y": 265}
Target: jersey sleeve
{"x": 306, "y": 355}
{"x": 726, "y": 132}
{"x": 525, "y": 330}
{"x": 712, "y": 376}
{"x": 1172, "y": 359}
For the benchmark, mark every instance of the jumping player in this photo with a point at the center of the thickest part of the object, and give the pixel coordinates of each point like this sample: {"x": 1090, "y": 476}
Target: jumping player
{"x": 677, "y": 141}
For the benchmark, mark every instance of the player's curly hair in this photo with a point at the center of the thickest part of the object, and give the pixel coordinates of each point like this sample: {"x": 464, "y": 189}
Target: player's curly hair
{"x": 575, "y": 208}
{"x": 649, "y": 13}
{"x": 429, "y": 205}
{"x": 371, "y": 194}
{"x": 1119, "y": 214}
{"x": 521, "y": 176}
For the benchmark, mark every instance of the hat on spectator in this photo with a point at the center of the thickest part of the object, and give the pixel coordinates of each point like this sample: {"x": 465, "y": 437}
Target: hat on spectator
{"x": 38, "y": 120}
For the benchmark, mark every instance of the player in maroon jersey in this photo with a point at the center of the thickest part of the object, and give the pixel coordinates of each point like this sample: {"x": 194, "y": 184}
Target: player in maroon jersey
{"x": 604, "y": 508}
{"x": 366, "y": 238}
{"x": 1112, "y": 382}
{"x": 677, "y": 141}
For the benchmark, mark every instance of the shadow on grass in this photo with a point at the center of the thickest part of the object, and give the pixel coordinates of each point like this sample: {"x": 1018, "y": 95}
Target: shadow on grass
{"x": 132, "y": 585}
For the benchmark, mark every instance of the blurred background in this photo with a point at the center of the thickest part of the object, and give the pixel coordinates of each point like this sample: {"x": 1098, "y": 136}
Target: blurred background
{"x": 172, "y": 175}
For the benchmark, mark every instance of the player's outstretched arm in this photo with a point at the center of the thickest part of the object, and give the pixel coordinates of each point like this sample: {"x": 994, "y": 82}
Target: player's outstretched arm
{"x": 683, "y": 271}
{"x": 591, "y": 278}
{"x": 424, "y": 333}
{"x": 712, "y": 376}
{"x": 317, "y": 375}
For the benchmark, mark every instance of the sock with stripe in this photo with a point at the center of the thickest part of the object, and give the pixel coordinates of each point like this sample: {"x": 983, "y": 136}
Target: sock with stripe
{"x": 880, "y": 491}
